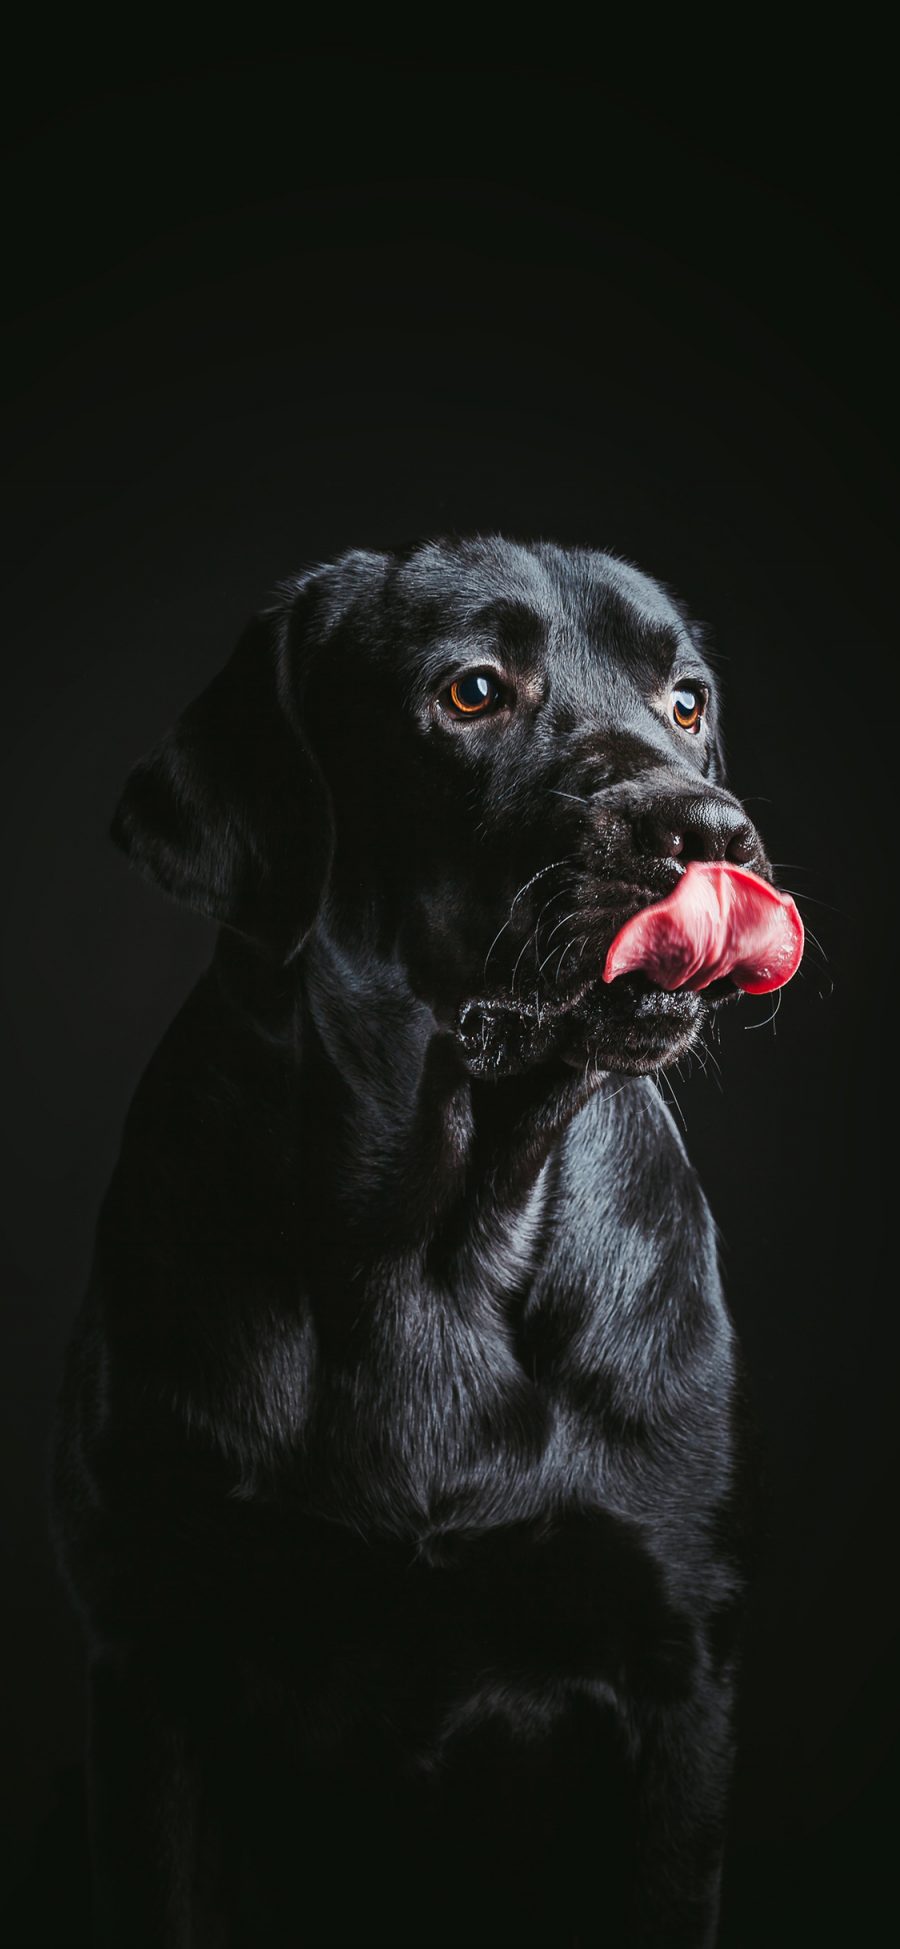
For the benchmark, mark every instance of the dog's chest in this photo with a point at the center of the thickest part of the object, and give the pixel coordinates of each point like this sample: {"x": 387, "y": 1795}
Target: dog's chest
{"x": 500, "y": 1376}
{"x": 426, "y": 1415}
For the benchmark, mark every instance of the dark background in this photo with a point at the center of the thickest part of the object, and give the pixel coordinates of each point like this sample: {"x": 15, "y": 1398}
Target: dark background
{"x": 263, "y": 310}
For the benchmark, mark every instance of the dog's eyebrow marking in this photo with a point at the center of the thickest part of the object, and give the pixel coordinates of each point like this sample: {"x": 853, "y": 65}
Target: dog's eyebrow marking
{"x": 654, "y": 639}
{"x": 515, "y": 625}
{"x": 657, "y": 652}
{"x": 637, "y": 634}
{"x": 666, "y": 642}
{"x": 671, "y": 652}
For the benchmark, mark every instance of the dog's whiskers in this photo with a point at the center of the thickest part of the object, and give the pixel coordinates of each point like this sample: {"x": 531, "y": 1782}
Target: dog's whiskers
{"x": 565, "y": 951}
{"x": 539, "y": 875}
{"x": 768, "y": 1019}
{"x": 531, "y": 940}
{"x": 816, "y": 944}
{"x": 555, "y": 930}
{"x": 665, "y": 1077}
{"x": 705, "y": 1056}
{"x": 525, "y": 944}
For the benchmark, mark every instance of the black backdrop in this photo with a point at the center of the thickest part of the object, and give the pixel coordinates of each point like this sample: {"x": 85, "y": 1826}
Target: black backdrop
{"x": 267, "y": 309}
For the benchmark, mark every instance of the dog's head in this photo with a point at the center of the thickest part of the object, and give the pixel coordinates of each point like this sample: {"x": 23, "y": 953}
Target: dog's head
{"x": 473, "y": 761}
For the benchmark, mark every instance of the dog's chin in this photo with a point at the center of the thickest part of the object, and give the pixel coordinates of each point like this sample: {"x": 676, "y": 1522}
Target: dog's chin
{"x": 630, "y": 1026}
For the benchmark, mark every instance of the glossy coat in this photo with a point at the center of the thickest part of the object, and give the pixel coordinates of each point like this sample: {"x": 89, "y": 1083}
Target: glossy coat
{"x": 397, "y": 1475}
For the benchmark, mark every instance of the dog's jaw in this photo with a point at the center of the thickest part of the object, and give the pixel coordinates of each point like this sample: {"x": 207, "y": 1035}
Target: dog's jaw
{"x": 637, "y": 1030}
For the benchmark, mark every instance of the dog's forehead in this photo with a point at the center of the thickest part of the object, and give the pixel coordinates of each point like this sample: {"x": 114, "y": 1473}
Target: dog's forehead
{"x": 580, "y": 583}
{"x": 578, "y": 607}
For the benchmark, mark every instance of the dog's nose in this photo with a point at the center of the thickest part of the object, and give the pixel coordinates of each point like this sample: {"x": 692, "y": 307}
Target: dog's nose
{"x": 696, "y": 826}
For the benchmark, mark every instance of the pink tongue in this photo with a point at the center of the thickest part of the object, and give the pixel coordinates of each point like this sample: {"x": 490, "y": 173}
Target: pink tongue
{"x": 720, "y": 920}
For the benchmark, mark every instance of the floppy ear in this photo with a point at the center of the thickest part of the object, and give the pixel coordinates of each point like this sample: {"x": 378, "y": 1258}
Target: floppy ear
{"x": 230, "y": 812}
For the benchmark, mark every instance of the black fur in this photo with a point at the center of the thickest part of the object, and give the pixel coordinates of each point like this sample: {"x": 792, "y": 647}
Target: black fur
{"x": 396, "y": 1470}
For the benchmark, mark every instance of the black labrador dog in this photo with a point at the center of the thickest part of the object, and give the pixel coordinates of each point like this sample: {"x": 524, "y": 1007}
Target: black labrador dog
{"x": 396, "y": 1472}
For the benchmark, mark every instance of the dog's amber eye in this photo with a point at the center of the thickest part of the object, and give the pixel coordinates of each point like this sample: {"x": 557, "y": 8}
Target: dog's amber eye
{"x": 474, "y": 695}
{"x": 688, "y": 704}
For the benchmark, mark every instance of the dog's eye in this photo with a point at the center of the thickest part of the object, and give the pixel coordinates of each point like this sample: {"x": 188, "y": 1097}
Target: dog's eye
{"x": 688, "y": 703}
{"x": 474, "y": 695}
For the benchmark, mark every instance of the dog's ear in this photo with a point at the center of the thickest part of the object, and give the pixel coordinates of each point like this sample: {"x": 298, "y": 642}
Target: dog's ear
{"x": 230, "y": 812}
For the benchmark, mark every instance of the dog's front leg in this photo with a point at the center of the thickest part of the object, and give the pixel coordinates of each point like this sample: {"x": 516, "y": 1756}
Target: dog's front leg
{"x": 684, "y": 1773}
{"x": 156, "y": 1863}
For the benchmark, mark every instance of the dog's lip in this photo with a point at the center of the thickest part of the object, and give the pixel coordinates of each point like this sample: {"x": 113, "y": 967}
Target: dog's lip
{"x": 533, "y": 1007}
{"x": 646, "y": 996}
